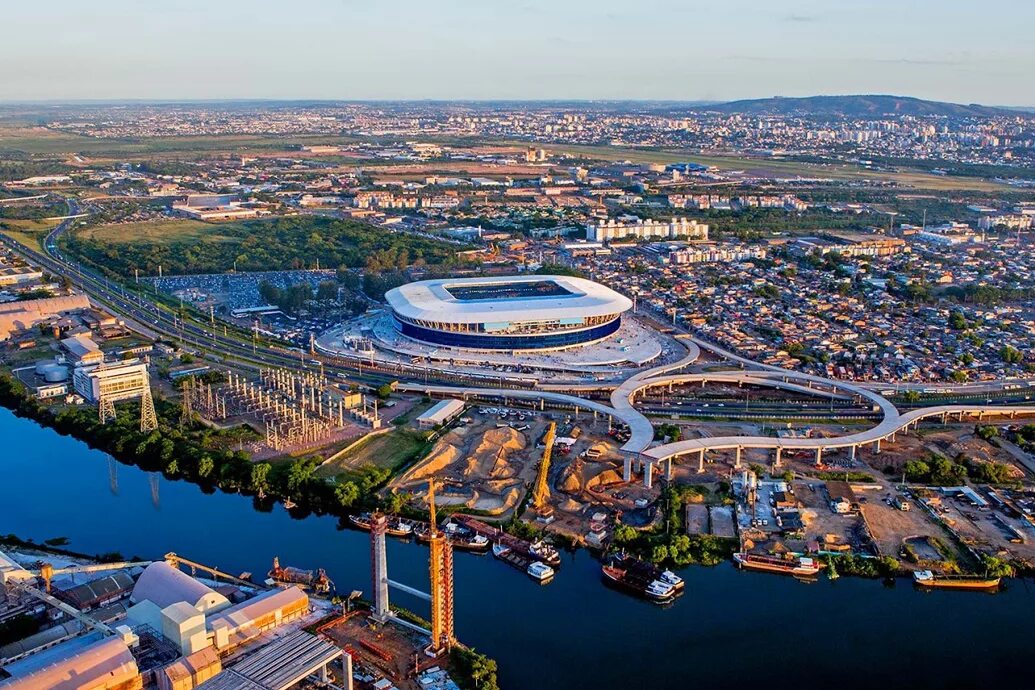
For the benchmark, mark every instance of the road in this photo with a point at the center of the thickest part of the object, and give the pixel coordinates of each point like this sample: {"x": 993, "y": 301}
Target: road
{"x": 150, "y": 320}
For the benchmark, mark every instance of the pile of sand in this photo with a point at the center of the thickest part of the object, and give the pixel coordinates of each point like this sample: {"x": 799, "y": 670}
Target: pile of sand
{"x": 570, "y": 482}
{"x": 444, "y": 455}
{"x": 570, "y": 506}
{"x": 604, "y": 478}
{"x": 489, "y": 457}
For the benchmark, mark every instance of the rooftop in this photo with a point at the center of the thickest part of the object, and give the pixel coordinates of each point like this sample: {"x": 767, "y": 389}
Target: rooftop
{"x": 510, "y": 298}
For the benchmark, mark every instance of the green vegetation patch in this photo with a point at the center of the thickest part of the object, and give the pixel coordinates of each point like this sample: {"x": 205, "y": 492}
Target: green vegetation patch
{"x": 255, "y": 245}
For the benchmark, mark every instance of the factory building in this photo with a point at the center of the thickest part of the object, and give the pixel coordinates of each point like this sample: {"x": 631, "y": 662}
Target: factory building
{"x": 23, "y": 315}
{"x": 443, "y": 412}
{"x": 95, "y": 593}
{"x": 239, "y": 624}
{"x": 163, "y": 585}
{"x": 115, "y": 382}
{"x": 90, "y": 661}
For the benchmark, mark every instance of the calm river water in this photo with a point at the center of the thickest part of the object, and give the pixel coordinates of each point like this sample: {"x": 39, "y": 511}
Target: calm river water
{"x": 729, "y": 629}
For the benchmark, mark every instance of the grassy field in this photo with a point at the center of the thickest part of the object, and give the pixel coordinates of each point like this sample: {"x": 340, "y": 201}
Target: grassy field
{"x": 163, "y": 231}
{"x": 917, "y": 179}
{"x": 391, "y": 450}
{"x": 29, "y": 233}
{"x": 40, "y": 140}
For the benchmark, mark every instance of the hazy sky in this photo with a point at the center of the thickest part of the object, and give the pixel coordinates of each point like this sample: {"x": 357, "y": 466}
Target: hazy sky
{"x": 955, "y": 50}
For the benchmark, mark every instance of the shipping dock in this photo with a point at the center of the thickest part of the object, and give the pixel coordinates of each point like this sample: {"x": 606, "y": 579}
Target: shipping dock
{"x": 533, "y": 551}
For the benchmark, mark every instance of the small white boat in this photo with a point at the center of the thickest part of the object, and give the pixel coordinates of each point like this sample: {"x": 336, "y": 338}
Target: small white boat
{"x": 499, "y": 550}
{"x": 670, "y": 578}
{"x": 538, "y": 570}
{"x": 660, "y": 590}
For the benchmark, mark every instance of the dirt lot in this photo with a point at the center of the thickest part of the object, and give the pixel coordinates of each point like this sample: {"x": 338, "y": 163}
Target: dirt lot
{"x": 485, "y": 464}
{"x": 829, "y": 529}
{"x": 890, "y": 526}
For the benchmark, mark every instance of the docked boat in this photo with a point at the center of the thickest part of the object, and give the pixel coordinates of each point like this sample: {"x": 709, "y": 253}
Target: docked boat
{"x": 536, "y": 551}
{"x": 545, "y": 552}
{"x": 799, "y": 566}
{"x": 538, "y": 570}
{"x": 396, "y": 527}
{"x": 287, "y": 575}
{"x": 647, "y": 570}
{"x": 459, "y": 536}
{"x": 636, "y": 583}
{"x": 926, "y": 578}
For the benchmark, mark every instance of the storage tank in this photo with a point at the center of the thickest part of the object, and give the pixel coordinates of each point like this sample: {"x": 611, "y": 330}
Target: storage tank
{"x": 55, "y": 373}
{"x": 41, "y": 366}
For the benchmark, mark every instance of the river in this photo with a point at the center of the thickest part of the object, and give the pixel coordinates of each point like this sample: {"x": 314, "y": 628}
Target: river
{"x": 728, "y": 629}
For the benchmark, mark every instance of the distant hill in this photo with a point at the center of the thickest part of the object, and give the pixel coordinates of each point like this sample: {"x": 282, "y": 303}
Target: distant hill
{"x": 856, "y": 106}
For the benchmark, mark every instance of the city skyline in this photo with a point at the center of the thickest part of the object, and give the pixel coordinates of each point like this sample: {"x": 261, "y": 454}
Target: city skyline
{"x": 575, "y": 51}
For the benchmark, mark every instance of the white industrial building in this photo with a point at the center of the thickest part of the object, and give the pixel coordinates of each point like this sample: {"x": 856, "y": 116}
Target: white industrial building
{"x": 122, "y": 381}
{"x": 443, "y": 412}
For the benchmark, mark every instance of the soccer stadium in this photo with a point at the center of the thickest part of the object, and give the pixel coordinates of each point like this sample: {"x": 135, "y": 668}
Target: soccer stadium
{"x": 516, "y": 313}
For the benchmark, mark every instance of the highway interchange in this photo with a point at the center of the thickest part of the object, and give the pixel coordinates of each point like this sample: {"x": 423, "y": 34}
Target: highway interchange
{"x": 152, "y": 321}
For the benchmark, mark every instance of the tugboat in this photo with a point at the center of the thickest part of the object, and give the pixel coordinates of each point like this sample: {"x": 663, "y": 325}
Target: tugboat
{"x": 799, "y": 566}
{"x": 396, "y": 526}
{"x": 545, "y": 552}
{"x": 540, "y": 571}
{"x": 647, "y": 570}
{"x": 927, "y": 579}
{"x": 637, "y": 583}
{"x": 318, "y": 582}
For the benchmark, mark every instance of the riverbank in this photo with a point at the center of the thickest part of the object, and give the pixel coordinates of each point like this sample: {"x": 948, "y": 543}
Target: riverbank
{"x": 573, "y": 632}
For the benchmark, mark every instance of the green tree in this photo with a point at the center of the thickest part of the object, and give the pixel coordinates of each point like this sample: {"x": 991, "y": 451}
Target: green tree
{"x": 1011, "y": 355}
{"x": 957, "y": 321}
{"x": 205, "y": 466}
{"x": 347, "y": 494}
{"x": 259, "y": 480}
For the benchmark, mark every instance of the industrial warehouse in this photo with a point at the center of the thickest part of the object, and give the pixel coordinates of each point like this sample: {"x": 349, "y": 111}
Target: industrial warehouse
{"x": 520, "y": 313}
{"x": 150, "y": 624}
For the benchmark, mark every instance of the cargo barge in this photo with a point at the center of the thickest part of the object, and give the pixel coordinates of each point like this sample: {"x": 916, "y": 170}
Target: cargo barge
{"x": 635, "y": 577}
{"x": 397, "y": 527}
{"x": 535, "y": 569}
{"x": 461, "y": 537}
{"x": 799, "y": 566}
{"x": 533, "y": 551}
{"x": 927, "y": 579}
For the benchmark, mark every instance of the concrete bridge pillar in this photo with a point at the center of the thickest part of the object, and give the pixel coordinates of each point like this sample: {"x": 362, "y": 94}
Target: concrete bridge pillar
{"x": 777, "y": 461}
{"x": 851, "y": 453}
{"x": 648, "y": 474}
{"x": 668, "y": 469}
{"x": 893, "y": 435}
{"x": 876, "y": 446}
{"x": 700, "y": 462}
{"x": 736, "y": 462}
{"x": 944, "y": 418}
{"x": 627, "y": 469}
{"x": 819, "y": 456}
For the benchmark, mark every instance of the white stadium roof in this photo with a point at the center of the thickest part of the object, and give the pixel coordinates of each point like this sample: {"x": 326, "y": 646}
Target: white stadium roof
{"x": 430, "y": 300}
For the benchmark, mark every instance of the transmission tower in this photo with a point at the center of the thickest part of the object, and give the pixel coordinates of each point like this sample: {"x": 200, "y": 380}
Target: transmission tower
{"x": 148, "y": 418}
{"x": 106, "y": 409}
{"x": 187, "y": 403}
